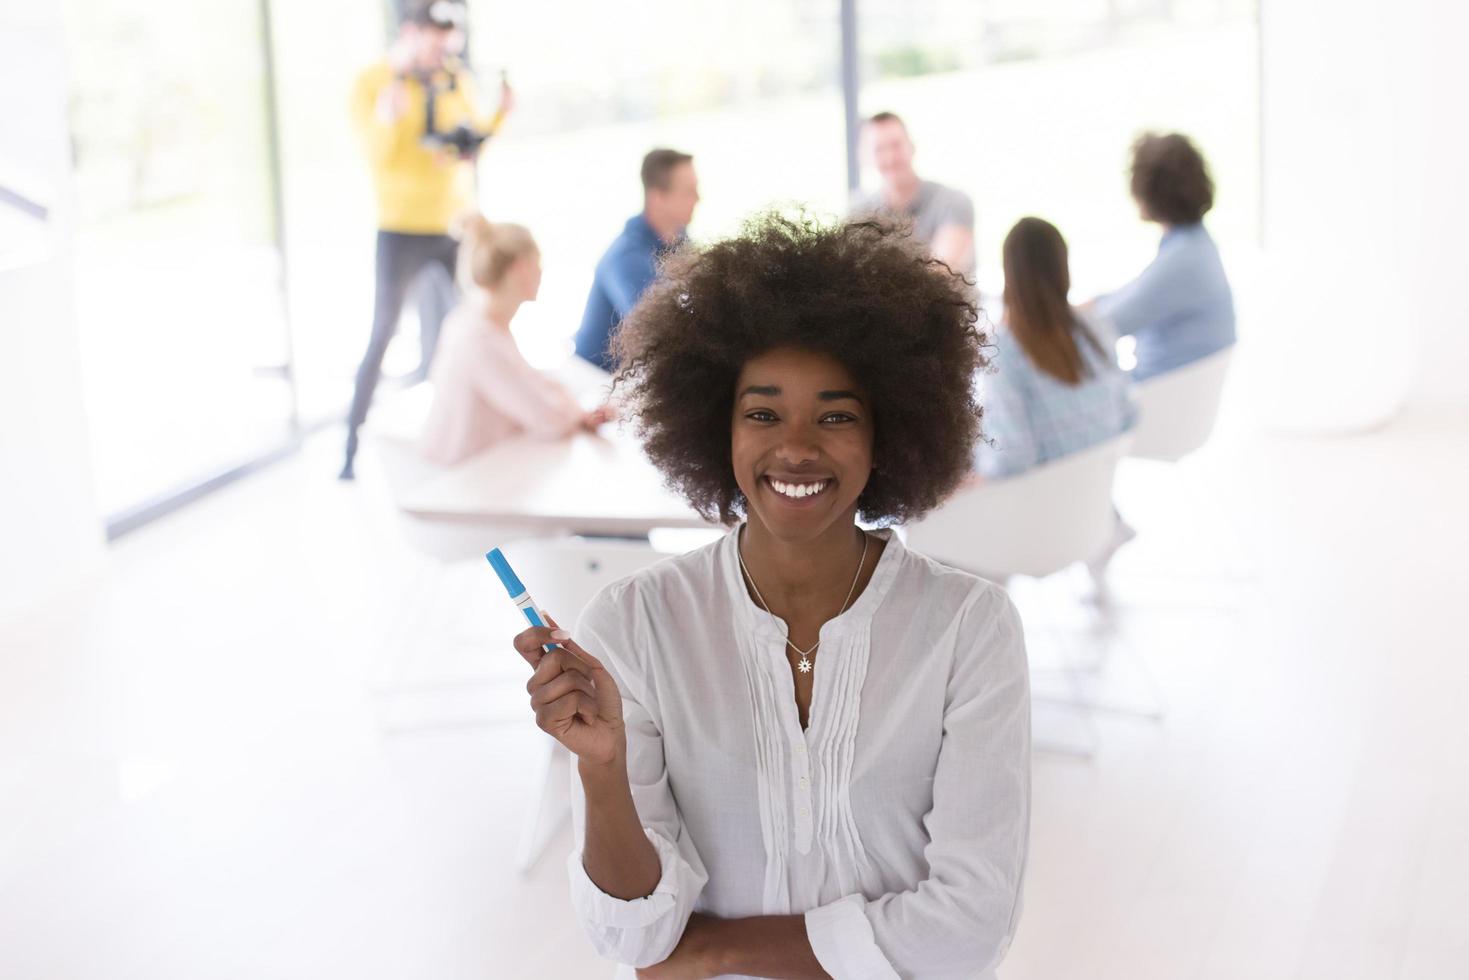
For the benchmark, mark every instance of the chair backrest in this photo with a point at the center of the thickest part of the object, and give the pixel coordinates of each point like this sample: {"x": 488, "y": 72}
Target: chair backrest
{"x": 1176, "y": 411}
{"x": 1033, "y": 524}
{"x": 564, "y": 573}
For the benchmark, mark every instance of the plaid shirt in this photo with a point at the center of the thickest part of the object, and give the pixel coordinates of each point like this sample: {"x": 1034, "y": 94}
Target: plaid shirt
{"x": 1031, "y": 417}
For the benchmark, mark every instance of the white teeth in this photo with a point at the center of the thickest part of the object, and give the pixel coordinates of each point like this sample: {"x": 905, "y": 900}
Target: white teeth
{"x": 798, "y": 490}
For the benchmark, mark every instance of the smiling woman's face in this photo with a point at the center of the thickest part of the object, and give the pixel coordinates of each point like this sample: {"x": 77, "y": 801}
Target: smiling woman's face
{"x": 800, "y": 442}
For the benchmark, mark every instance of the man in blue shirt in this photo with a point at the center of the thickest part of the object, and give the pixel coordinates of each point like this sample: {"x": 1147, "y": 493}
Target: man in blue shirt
{"x": 670, "y": 192}
{"x": 1180, "y": 308}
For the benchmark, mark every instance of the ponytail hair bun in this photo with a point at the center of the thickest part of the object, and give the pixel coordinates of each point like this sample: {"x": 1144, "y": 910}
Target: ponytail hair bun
{"x": 487, "y": 250}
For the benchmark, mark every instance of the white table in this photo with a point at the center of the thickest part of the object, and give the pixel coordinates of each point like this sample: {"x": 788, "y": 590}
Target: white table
{"x": 589, "y": 484}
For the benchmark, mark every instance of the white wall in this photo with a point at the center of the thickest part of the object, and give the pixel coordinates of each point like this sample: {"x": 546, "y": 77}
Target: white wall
{"x": 50, "y": 534}
{"x": 1364, "y": 151}
{"x": 1441, "y": 31}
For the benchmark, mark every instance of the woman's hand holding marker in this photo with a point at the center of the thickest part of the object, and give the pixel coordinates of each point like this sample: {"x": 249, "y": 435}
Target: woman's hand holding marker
{"x": 576, "y": 701}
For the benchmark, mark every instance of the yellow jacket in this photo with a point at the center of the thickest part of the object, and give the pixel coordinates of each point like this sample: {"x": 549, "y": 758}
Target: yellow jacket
{"x": 419, "y": 188}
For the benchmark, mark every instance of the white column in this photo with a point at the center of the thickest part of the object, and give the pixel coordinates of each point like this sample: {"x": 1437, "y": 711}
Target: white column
{"x": 1362, "y": 104}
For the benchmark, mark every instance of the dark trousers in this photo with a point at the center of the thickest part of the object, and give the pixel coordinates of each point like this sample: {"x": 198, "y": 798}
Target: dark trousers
{"x": 402, "y": 259}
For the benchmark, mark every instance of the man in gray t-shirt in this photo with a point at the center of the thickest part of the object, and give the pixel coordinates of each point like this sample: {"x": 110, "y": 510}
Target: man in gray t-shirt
{"x": 942, "y": 217}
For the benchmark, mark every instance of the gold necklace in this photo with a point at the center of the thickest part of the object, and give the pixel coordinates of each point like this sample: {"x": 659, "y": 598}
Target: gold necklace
{"x": 805, "y": 664}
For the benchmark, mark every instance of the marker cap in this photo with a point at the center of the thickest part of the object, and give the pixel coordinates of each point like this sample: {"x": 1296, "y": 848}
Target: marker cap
{"x": 507, "y": 575}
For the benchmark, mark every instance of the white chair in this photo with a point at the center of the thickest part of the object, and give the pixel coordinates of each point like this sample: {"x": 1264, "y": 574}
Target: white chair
{"x": 564, "y": 574}
{"x": 1034, "y": 524}
{"x": 1177, "y": 410}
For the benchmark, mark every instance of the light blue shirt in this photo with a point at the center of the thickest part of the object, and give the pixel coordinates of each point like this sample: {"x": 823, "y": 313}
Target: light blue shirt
{"x": 1179, "y": 309}
{"x": 1031, "y": 417}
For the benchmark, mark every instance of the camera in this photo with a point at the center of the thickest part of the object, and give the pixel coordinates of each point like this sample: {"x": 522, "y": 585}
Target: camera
{"x": 465, "y": 140}
{"x": 461, "y": 138}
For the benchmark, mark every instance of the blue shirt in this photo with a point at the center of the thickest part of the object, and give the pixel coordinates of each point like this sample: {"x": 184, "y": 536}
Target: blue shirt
{"x": 623, "y": 272}
{"x": 1180, "y": 308}
{"x": 1031, "y": 417}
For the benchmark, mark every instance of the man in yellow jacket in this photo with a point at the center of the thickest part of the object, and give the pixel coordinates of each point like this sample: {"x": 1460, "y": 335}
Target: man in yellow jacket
{"x": 419, "y": 119}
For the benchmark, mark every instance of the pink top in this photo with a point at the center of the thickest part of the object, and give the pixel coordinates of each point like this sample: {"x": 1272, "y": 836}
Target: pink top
{"x": 486, "y": 391}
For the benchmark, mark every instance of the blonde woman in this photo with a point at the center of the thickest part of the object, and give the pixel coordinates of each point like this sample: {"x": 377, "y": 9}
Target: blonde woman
{"x": 484, "y": 389}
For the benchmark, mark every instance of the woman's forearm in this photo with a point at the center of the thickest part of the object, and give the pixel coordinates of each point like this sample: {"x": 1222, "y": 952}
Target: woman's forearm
{"x": 761, "y": 946}
{"x": 616, "y": 854}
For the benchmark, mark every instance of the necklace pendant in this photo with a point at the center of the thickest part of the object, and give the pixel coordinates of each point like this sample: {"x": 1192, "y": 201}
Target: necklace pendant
{"x": 804, "y": 666}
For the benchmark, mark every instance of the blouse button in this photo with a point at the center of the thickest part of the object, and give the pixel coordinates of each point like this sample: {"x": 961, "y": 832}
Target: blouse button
{"x": 805, "y": 782}
{"x": 805, "y": 812}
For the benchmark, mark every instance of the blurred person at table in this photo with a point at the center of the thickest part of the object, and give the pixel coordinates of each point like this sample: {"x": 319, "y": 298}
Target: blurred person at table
{"x": 421, "y": 126}
{"x": 630, "y": 264}
{"x": 942, "y": 218}
{"x": 484, "y": 389}
{"x": 1054, "y": 387}
{"x": 1180, "y": 308}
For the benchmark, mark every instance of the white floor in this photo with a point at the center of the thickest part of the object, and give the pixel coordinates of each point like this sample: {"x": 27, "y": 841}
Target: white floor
{"x": 230, "y": 755}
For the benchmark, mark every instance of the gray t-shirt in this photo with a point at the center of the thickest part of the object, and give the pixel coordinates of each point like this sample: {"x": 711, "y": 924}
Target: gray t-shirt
{"x": 935, "y": 206}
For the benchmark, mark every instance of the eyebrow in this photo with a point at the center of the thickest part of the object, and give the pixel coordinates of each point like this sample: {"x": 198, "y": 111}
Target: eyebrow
{"x": 772, "y": 391}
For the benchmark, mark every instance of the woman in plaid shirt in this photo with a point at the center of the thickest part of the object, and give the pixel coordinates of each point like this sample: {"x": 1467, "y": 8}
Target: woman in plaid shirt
{"x": 1054, "y": 387}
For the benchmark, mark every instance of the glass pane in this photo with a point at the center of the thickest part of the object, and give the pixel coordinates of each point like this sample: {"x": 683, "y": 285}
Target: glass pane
{"x": 1030, "y": 107}
{"x": 319, "y": 49}
{"x": 177, "y": 271}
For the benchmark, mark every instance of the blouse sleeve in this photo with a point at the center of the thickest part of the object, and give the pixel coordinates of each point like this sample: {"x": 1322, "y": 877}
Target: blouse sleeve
{"x": 957, "y": 922}
{"x": 379, "y": 138}
{"x": 540, "y": 404}
{"x": 643, "y": 931}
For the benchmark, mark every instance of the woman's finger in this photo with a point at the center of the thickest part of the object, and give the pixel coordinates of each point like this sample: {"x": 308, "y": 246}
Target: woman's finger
{"x": 555, "y": 716}
{"x": 552, "y": 664}
{"x": 591, "y": 662}
{"x": 559, "y": 686}
{"x": 531, "y": 643}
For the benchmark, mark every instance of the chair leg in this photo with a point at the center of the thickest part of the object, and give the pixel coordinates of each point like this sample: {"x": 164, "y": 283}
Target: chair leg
{"x": 1095, "y": 686}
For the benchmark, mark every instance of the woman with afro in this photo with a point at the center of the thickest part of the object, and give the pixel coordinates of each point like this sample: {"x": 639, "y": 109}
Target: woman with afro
{"x": 802, "y": 751}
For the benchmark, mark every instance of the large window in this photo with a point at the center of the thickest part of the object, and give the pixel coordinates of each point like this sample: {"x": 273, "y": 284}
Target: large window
{"x": 183, "y": 337}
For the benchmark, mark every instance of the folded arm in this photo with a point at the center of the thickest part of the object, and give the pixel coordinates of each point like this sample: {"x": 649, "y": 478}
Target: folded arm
{"x": 635, "y": 874}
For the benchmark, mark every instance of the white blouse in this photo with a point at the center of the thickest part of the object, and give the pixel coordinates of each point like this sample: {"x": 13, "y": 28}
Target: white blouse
{"x": 897, "y": 822}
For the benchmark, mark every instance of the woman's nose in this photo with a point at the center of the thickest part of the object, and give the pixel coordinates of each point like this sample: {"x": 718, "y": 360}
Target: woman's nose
{"x": 798, "y": 446}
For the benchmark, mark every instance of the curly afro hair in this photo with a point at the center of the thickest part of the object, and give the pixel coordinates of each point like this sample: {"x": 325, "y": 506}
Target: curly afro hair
{"x": 901, "y": 323}
{"x": 1170, "y": 179}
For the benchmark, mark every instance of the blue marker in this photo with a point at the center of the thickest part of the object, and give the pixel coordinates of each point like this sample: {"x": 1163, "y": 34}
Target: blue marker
{"x": 518, "y": 592}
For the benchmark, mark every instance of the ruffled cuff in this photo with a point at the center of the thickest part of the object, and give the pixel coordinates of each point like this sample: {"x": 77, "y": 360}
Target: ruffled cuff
{"x": 841, "y": 937}
{"x": 639, "y": 931}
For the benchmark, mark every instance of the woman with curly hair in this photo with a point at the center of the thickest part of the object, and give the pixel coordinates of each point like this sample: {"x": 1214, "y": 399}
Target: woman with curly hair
{"x": 802, "y": 751}
{"x": 1180, "y": 308}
